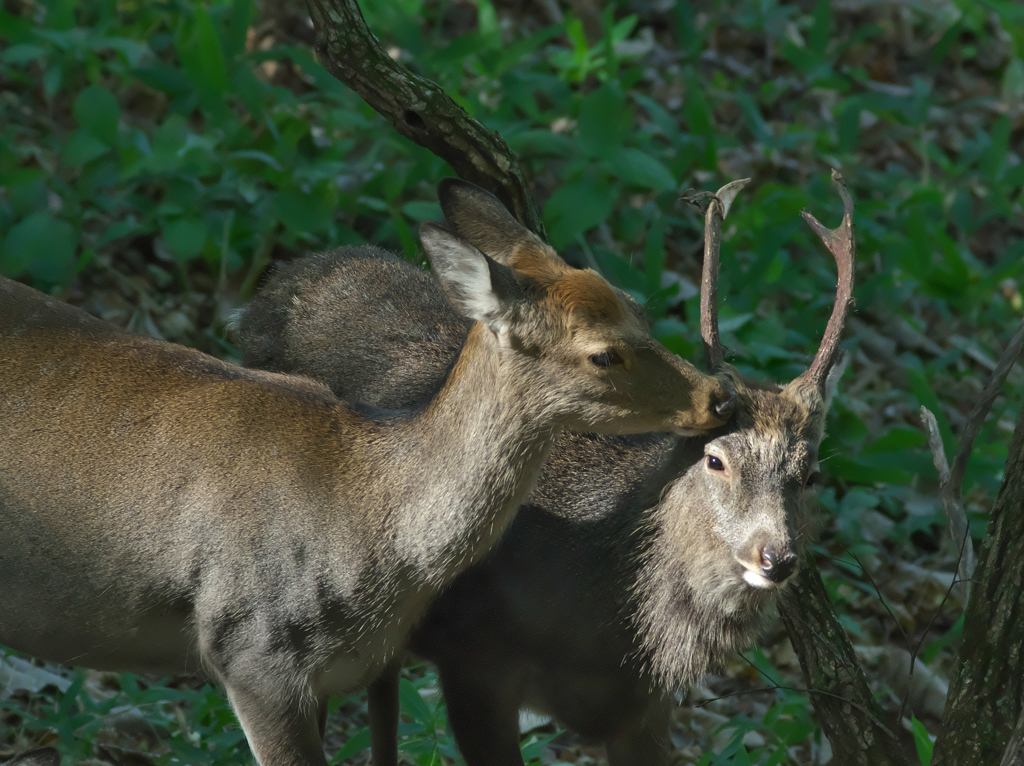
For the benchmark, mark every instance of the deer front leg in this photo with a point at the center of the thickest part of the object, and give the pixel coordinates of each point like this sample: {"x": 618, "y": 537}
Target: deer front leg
{"x": 484, "y": 716}
{"x": 268, "y": 685}
{"x": 382, "y": 698}
{"x": 279, "y": 734}
{"x": 645, "y": 746}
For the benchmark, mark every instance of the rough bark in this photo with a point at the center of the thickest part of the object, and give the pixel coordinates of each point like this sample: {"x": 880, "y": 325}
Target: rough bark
{"x": 843, "y": 703}
{"x": 418, "y": 108}
{"x": 986, "y": 696}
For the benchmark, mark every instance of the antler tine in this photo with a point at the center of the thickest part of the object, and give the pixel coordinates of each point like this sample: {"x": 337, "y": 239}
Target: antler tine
{"x": 717, "y": 209}
{"x": 841, "y": 243}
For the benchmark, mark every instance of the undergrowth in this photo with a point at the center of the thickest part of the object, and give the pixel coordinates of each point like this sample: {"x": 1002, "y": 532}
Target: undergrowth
{"x": 155, "y": 157}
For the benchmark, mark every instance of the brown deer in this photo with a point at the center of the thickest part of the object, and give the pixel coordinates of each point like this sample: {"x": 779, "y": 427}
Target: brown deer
{"x": 165, "y": 511}
{"x": 635, "y": 566}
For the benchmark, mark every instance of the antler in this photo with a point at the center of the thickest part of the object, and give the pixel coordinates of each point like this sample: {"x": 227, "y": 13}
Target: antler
{"x": 841, "y": 244}
{"x": 717, "y": 209}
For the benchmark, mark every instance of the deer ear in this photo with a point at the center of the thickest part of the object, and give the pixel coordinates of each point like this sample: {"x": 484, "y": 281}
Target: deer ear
{"x": 477, "y": 287}
{"x": 480, "y": 217}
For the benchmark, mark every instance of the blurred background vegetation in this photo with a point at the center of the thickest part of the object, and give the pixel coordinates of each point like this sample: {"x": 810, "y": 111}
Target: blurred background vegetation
{"x": 155, "y": 157}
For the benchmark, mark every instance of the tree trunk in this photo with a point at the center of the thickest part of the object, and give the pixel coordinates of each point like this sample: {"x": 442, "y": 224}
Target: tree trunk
{"x": 843, "y": 703}
{"x": 986, "y": 696}
{"x": 418, "y": 108}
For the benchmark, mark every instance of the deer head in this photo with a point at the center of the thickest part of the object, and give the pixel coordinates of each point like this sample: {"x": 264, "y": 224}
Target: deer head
{"x": 732, "y": 526}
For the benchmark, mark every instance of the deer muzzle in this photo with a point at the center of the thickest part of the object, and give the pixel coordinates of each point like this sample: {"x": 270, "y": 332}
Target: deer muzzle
{"x": 769, "y": 565}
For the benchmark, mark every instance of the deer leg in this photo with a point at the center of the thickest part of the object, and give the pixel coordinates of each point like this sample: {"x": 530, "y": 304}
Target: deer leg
{"x": 321, "y": 718}
{"x": 645, "y": 746}
{"x": 484, "y": 716}
{"x": 279, "y": 734}
{"x": 382, "y": 696}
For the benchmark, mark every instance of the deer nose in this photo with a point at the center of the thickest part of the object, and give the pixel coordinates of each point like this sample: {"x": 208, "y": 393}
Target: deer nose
{"x": 727, "y": 406}
{"x": 778, "y": 566}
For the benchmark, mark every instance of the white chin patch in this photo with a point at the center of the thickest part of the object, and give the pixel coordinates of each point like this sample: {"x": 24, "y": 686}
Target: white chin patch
{"x": 757, "y": 580}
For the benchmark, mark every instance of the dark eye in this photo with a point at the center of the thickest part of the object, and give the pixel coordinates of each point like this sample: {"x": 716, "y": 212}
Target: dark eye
{"x": 813, "y": 479}
{"x": 715, "y": 463}
{"x": 608, "y": 358}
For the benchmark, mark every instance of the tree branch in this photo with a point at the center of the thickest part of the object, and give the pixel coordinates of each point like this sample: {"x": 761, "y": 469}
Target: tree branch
{"x": 959, "y": 529}
{"x": 843, "y": 703}
{"x": 418, "y": 108}
{"x": 986, "y": 694}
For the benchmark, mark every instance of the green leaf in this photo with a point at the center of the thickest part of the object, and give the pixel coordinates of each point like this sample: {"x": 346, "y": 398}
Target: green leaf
{"x": 185, "y": 237}
{"x": 576, "y": 207}
{"x": 22, "y": 54}
{"x": 605, "y": 121}
{"x": 413, "y": 704}
{"x": 303, "y": 213}
{"x": 42, "y": 245}
{"x": 83, "y": 147}
{"x": 636, "y": 167}
{"x": 423, "y": 211}
{"x": 203, "y": 58}
{"x": 356, "y": 744}
{"x": 211, "y": 54}
{"x": 52, "y": 80}
{"x": 696, "y": 108}
{"x": 922, "y": 741}
{"x": 96, "y": 110}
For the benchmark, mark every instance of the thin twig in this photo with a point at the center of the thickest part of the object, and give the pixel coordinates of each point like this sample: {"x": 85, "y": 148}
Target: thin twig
{"x": 977, "y": 417}
{"x": 959, "y": 529}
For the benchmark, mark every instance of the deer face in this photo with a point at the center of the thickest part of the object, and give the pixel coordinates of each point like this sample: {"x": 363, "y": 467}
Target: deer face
{"x": 606, "y": 347}
{"x": 586, "y": 345}
{"x": 757, "y": 480}
{"x": 728, "y": 535}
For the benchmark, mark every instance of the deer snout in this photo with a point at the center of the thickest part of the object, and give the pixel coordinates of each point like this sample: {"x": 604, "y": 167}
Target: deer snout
{"x": 725, "y": 405}
{"x": 778, "y": 565}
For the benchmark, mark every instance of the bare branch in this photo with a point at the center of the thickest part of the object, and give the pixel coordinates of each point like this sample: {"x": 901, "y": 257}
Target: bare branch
{"x": 418, "y": 108}
{"x": 958, "y": 526}
{"x": 980, "y": 411}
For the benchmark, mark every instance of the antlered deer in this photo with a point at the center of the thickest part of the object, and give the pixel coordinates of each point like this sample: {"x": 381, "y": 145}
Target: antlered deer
{"x": 636, "y": 565}
{"x": 162, "y": 510}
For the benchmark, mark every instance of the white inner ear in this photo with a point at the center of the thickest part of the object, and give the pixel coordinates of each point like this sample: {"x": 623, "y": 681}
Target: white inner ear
{"x": 832, "y": 380}
{"x": 463, "y": 270}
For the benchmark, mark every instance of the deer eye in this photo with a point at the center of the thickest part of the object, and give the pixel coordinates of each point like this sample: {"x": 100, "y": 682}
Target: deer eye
{"x": 813, "y": 478}
{"x": 715, "y": 463}
{"x": 608, "y": 358}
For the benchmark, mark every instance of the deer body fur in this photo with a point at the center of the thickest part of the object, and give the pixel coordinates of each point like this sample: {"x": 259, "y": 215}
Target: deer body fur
{"x": 166, "y": 511}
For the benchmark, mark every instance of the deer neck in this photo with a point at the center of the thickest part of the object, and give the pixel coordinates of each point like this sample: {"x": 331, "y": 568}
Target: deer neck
{"x": 468, "y": 459}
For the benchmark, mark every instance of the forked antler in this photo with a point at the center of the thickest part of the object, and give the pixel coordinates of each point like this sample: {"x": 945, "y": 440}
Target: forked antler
{"x": 839, "y": 241}
{"x": 718, "y": 205}
{"x": 841, "y": 244}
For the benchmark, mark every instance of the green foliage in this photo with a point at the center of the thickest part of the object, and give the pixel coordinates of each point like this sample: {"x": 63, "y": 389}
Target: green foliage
{"x": 923, "y": 742}
{"x": 165, "y": 141}
{"x": 86, "y": 716}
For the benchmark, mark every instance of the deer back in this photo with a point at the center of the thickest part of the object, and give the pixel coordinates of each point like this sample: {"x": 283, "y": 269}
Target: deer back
{"x": 360, "y": 319}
